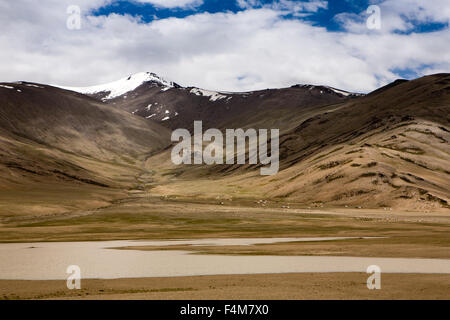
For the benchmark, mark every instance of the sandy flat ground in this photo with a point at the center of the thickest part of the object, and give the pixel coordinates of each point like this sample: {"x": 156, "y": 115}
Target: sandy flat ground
{"x": 239, "y": 287}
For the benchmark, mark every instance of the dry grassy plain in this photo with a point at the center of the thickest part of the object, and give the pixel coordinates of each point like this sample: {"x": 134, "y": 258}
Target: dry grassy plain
{"x": 239, "y": 287}
{"x": 140, "y": 216}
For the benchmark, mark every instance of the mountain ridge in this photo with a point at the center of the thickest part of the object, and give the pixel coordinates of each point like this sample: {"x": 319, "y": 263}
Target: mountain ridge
{"x": 133, "y": 81}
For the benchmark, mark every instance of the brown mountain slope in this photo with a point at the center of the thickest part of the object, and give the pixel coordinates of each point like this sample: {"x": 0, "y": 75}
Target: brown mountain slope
{"x": 49, "y": 134}
{"x": 389, "y": 148}
{"x": 427, "y": 98}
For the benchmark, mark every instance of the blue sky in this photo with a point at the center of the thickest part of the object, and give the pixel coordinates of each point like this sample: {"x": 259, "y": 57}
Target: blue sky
{"x": 323, "y": 17}
{"x": 150, "y": 12}
{"x": 230, "y": 45}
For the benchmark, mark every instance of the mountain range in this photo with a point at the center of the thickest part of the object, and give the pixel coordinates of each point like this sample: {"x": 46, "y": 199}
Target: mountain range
{"x": 386, "y": 149}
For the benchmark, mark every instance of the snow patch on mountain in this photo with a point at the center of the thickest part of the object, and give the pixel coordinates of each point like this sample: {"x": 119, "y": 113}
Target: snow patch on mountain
{"x": 341, "y": 92}
{"x": 122, "y": 86}
{"x": 214, "y": 96}
{"x": 28, "y": 84}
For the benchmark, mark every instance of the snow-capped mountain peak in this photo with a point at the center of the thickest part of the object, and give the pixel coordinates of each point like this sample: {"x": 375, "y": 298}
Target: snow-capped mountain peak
{"x": 122, "y": 86}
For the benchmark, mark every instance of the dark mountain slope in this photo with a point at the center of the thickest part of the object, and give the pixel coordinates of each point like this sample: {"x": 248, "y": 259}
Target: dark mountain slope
{"x": 46, "y": 132}
{"x": 180, "y": 107}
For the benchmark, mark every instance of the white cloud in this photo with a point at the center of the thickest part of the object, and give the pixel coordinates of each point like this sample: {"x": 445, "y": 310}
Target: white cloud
{"x": 252, "y": 49}
{"x": 400, "y": 15}
{"x": 289, "y": 5}
{"x": 247, "y": 4}
{"x": 173, "y": 3}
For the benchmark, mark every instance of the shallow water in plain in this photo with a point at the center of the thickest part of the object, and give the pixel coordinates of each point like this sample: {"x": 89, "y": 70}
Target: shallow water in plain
{"x": 97, "y": 260}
